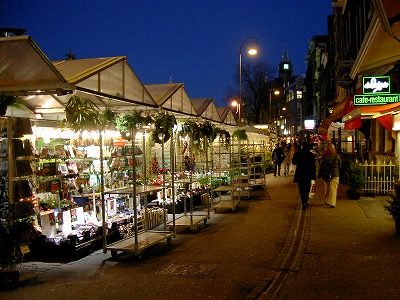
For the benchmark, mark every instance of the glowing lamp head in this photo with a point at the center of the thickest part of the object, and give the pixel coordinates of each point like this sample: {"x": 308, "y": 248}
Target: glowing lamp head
{"x": 252, "y": 51}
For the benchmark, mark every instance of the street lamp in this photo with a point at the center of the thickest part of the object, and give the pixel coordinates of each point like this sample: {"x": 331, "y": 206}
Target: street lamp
{"x": 252, "y": 51}
{"x": 276, "y": 92}
{"x": 236, "y": 104}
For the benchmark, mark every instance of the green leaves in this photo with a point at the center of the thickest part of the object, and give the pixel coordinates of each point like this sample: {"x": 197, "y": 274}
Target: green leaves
{"x": 134, "y": 120}
{"x": 240, "y": 135}
{"x": 82, "y": 114}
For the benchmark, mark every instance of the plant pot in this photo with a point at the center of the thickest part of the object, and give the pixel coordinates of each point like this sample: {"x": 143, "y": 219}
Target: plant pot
{"x": 353, "y": 194}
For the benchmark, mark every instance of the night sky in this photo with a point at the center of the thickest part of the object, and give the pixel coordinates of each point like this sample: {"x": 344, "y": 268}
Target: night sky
{"x": 196, "y": 41}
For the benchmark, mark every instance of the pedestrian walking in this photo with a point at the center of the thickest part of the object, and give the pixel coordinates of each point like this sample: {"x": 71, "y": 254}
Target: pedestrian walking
{"x": 287, "y": 160}
{"x": 305, "y": 172}
{"x": 330, "y": 159}
{"x": 277, "y": 158}
{"x": 295, "y": 147}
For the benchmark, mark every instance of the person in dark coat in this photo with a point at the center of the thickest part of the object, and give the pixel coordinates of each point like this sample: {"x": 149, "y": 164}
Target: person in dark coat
{"x": 305, "y": 172}
{"x": 277, "y": 158}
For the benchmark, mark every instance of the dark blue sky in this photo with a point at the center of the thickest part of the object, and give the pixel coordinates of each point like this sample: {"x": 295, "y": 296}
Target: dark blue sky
{"x": 197, "y": 41}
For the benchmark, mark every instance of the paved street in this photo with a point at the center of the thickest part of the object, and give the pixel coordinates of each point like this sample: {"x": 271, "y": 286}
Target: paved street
{"x": 349, "y": 252}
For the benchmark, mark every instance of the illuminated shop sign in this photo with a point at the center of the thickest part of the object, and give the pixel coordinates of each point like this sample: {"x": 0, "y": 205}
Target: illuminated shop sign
{"x": 376, "y": 91}
{"x": 376, "y": 85}
{"x": 309, "y": 124}
{"x": 376, "y": 99}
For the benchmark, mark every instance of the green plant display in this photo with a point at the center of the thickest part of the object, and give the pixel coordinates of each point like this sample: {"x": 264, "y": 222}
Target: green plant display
{"x": 393, "y": 207}
{"x": 267, "y": 164}
{"x": 355, "y": 176}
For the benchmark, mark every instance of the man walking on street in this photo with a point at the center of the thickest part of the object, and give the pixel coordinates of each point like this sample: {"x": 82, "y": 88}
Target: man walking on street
{"x": 305, "y": 172}
{"x": 277, "y": 158}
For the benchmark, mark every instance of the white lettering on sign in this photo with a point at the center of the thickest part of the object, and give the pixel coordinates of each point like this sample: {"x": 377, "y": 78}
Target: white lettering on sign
{"x": 376, "y": 100}
{"x": 376, "y": 85}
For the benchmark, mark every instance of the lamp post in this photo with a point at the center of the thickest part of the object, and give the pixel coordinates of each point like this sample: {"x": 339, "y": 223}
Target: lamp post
{"x": 252, "y": 51}
{"x": 237, "y": 105}
{"x": 276, "y": 92}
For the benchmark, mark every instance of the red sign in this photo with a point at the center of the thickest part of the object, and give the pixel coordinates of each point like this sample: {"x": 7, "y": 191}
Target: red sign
{"x": 119, "y": 142}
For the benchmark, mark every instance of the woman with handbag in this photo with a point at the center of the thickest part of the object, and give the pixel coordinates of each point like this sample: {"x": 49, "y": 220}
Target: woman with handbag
{"x": 330, "y": 164}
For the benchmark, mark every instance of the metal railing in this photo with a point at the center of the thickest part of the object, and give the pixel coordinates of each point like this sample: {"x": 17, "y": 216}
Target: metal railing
{"x": 379, "y": 177}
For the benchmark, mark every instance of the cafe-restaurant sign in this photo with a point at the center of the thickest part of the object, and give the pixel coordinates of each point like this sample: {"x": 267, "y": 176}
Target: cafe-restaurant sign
{"x": 376, "y": 91}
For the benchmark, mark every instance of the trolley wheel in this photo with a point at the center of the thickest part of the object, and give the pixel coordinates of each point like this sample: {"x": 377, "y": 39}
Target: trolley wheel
{"x": 194, "y": 229}
{"x": 169, "y": 240}
{"x": 205, "y": 222}
{"x": 114, "y": 254}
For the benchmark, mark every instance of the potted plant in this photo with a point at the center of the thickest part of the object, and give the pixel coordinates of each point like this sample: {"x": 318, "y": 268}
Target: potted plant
{"x": 393, "y": 207}
{"x": 19, "y": 229}
{"x": 355, "y": 180}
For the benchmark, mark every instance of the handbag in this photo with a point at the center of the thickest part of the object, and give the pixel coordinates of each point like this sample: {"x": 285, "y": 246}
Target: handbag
{"x": 312, "y": 189}
{"x": 325, "y": 170}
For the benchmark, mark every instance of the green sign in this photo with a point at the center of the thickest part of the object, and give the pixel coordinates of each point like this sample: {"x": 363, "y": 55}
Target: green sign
{"x": 379, "y": 99}
{"x": 376, "y": 85}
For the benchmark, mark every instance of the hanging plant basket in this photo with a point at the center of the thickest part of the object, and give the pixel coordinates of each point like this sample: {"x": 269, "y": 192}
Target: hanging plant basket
{"x": 208, "y": 131}
{"x": 82, "y": 114}
{"x": 108, "y": 118}
{"x": 224, "y": 136}
{"x": 133, "y": 121}
{"x": 240, "y": 135}
{"x": 163, "y": 124}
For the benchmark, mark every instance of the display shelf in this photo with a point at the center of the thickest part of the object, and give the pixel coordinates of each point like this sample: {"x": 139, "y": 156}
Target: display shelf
{"x": 256, "y": 154}
{"x": 193, "y": 222}
{"x": 188, "y": 219}
{"x": 140, "y": 239}
{"x": 136, "y": 244}
{"x": 241, "y": 170}
{"x": 227, "y": 199}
